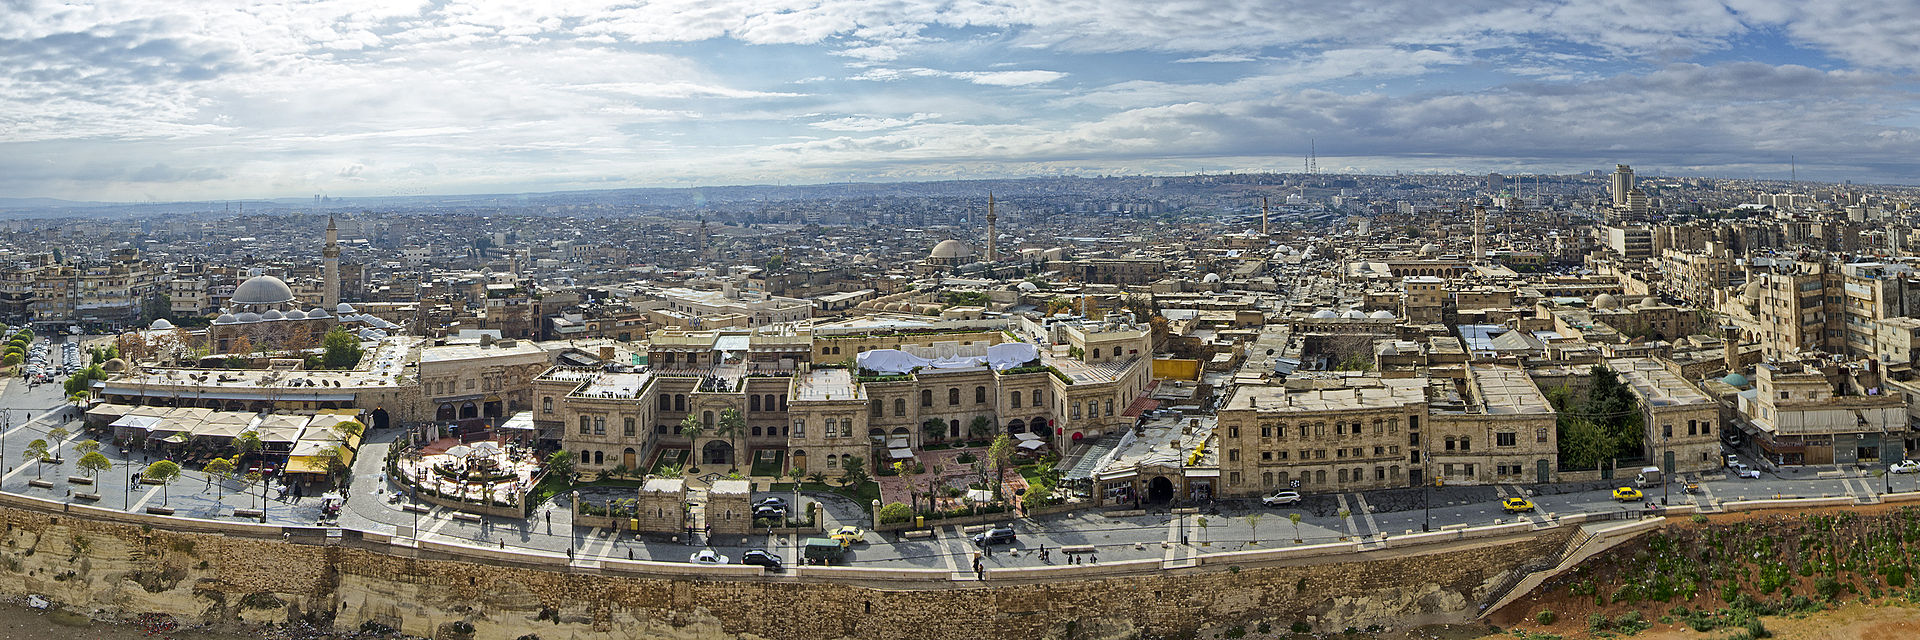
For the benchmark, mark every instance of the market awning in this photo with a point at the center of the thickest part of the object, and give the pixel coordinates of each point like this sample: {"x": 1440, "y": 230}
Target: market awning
{"x": 901, "y": 454}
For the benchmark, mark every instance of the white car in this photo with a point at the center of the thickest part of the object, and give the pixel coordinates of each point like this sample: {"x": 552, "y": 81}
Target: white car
{"x": 708, "y": 556}
{"x": 1905, "y": 466}
{"x": 1747, "y": 472}
{"x": 1281, "y": 498}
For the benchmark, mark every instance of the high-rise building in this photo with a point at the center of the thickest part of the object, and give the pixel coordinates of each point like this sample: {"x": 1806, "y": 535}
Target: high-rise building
{"x": 1622, "y": 183}
{"x": 330, "y": 259}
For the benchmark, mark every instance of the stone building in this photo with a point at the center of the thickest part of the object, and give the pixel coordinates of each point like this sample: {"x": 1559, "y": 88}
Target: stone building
{"x": 1491, "y": 425}
{"x": 1349, "y": 434}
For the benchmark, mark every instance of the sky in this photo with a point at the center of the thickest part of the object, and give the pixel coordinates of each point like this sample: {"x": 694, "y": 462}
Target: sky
{"x": 166, "y": 100}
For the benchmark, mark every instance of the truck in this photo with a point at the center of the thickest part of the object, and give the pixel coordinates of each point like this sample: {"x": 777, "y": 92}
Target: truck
{"x": 1649, "y": 477}
{"x": 823, "y": 550}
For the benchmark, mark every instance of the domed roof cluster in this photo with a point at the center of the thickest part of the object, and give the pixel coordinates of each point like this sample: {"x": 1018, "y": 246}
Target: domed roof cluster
{"x": 262, "y": 290}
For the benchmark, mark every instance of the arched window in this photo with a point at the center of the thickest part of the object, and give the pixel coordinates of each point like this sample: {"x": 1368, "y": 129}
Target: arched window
{"x": 679, "y": 402}
{"x": 833, "y": 461}
{"x": 979, "y": 395}
{"x": 926, "y": 397}
{"x": 1320, "y": 477}
{"x": 546, "y": 405}
{"x": 953, "y": 428}
{"x": 756, "y": 432}
{"x": 953, "y": 395}
{"x": 666, "y": 402}
{"x": 1016, "y": 399}
{"x": 899, "y": 407}
{"x": 753, "y": 403}
{"x": 1096, "y": 353}
{"x": 767, "y": 402}
{"x": 1343, "y": 475}
{"x": 599, "y": 457}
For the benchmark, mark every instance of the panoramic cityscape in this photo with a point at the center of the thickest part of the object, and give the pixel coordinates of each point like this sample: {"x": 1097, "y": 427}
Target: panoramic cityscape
{"x": 830, "y": 320}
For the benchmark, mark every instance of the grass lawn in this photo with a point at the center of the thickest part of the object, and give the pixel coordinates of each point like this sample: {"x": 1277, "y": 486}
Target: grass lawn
{"x": 668, "y": 458}
{"x": 552, "y": 485}
{"x": 770, "y": 466}
{"x": 1031, "y": 472}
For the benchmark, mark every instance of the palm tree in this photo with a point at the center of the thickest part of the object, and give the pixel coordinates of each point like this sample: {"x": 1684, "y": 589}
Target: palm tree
{"x": 732, "y": 426}
{"x": 218, "y": 468}
{"x": 37, "y": 452}
{"x": 1001, "y": 453}
{"x": 163, "y": 472}
{"x": 693, "y": 428}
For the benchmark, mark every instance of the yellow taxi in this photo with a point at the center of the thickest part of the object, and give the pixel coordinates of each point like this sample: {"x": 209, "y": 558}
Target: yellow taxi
{"x": 848, "y": 535}
{"x": 1516, "y": 505}
{"x": 1627, "y": 494}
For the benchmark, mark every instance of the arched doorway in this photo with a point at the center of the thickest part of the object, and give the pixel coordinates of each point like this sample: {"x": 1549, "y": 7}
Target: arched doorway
{"x": 716, "y": 452}
{"x": 799, "y": 459}
{"x": 445, "y": 413}
{"x": 1018, "y": 426}
{"x": 494, "y": 408}
{"x": 1039, "y": 425}
{"x": 468, "y": 410}
{"x": 1160, "y": 489}
{"x": 629, "y": 458}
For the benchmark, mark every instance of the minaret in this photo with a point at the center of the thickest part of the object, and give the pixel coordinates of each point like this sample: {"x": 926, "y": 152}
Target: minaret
{"x": 1263, "y": 216}
{"x": 330, "y": 257}
{"x": 1479, "y": 233}
{"x": 993, "y": 240}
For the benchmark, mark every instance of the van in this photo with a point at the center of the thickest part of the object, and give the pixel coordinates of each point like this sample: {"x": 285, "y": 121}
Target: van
{"x": 824, "y": 550}
{"x": 1649, "y": 476}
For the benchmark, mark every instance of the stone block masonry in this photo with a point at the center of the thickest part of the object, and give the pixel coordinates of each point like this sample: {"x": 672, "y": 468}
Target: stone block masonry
{"x": 129, "y": 569}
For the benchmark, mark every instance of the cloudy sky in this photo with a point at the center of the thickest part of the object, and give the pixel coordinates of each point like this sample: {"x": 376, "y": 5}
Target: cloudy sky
{"x": 135, "y": 100}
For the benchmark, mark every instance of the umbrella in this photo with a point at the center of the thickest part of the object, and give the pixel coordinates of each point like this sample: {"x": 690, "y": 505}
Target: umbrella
{"x": 460, "y": 451}
{"x": 177, "y": 438}
{"x": 486, "y": 448}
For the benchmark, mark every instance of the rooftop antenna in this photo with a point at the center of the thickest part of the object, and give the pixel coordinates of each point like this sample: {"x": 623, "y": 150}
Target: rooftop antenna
{"x": 1313, "y": 157}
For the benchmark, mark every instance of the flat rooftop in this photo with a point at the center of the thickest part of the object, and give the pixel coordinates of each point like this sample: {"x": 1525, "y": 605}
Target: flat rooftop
{"x": 1508, "y": 390}
{"x": 457, "y": 352}
{"x": 1392, "y": 392}
{"x": 1656, "y": 384}
{"x": 827, "y": 384}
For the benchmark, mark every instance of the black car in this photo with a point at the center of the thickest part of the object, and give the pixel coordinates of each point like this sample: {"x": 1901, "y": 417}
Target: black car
{"x": 1002, "y": 534}
{"x": 768, "y": 560}
{"x": 769, "y": 512}
{"x": 771, "y": 502}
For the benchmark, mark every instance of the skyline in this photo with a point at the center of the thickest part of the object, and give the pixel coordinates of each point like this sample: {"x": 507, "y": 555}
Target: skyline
{"x": 140, "y": 101}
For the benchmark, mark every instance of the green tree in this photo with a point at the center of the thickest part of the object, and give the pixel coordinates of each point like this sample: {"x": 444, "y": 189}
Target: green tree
{"x": 1000, "y": 454}
{"x": 342, "y": 349}
{"x": 11, "y": 359}
{"x": 350, "y": 429}
{"x": 1253, "y": 521}
{"x": 164, "y": 473}
{"x": 217, "y": 470}
{"x": 253, "y": 479}
{"x": 55, "y": 436}
{"x": 732, "y": 426}
{"x": 93, "y": 462}
{"x": 85, "y": 447}
{"x": 854, "y": 472}
{"x": 981, "y": 427}
{"x": 560, "y": 463}
{"x": 36, "y": 452}
{"x": 246, "y": 444}
{"x": 934, "y": 429}
{"x": 1295, "y": 519}
{"x": 693, "y": 428}
{"x": 335, "y": 457}
{"x": 896, "y": 512}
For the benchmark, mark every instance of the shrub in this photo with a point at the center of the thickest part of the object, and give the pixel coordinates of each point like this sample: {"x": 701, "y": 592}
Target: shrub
{"x": 1698, "y": 519}
{"x": 1598, "y": 622}
{"x": 896, "y": 512}
{"x": 1300, "y": 627}
{"x": 1630, "y": 623}
{"x": 1545, "y": 617}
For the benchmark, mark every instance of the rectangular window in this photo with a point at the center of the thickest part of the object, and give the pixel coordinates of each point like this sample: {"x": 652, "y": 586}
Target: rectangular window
{"x": 1266, "y": 455}
{"x": 629, "y": 428}
{"x": 1666, "y": 431}
{"x": 1505, "y": 439}
{"x": 1233, "y": 455}
{"x": 1540, "y": 435}
{"x": 1266, "y": 432}
{"x": 800, "y": 427}
{"x": 1233, "y": 478}
{"x": 1233, "y": 432}
{"x": 1466, "y": 444}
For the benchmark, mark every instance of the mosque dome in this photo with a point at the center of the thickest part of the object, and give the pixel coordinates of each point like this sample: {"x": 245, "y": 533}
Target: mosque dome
{"x": 296, "y": 314}
{"x": 1324, "y": 314}
{"x": 1354, "y": 314}
{"x": 273, "y": 314}
{"x": 317, "y": 312}
{"x": 262, "y": 290}
{"x": 161, "y": 324}
{"x": 1429, "y": 249}
{"x": 225, "y": 318}
{"x": 1382, "y": 314}
{"x": 1752, "y": 292}
{"x": 115, "y": 365}
{"x": 247, "y": 317}
{"x": 343, "y": 308}
{"x": 1027, "y": 286}
{"x": 1735, "y": 380}
{"x": 1606, "y": 301}
{"x": 1211, "y": 277}
{"x": 951, "y": 250}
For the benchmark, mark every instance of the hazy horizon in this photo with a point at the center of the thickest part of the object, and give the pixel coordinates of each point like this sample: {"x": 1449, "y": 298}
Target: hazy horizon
{"x": 147, "y": 101}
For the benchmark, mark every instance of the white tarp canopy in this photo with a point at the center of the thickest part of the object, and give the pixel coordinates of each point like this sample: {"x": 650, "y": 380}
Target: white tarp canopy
{"x": 897, "y": 442}
{"x": 1000, "y": 356}
{"x": 144, "y": 423}
{"x": 1031, "y": 444}
{"x": 901, "y": 454}
{"x": 1026, "y": 435}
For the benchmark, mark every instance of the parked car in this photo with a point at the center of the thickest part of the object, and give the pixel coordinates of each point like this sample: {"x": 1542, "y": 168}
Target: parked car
{"x": 769, "y": 512}
{"x": 768, "y": 560}
{"x": 707, "y": 556}
{"x": 1517, "y": 505}
{"x": 1627, "y": 494}
{"x": 1002, "y": 534}
{"x": 771, "y": 502}
{"x": 1748, "y": 472}
{"x": 1281, "y": 498}
{"x": 1905, "y": 466}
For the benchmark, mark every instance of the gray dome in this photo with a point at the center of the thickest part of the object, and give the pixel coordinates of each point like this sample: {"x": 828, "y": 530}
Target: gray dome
{"x": 296, "y": 314}
{"x": 225, "y": 318}
{"x": 272, "y": 314}
{"x": 247, "y": 317}
{"x": 1325, "y": 313}
{"x": 343, "y": 308}
{"x": 317, "y": 312}
{"x": 1382, "y": 314}
{"x": 160, "y": 324}
{"x": 951, "y": 249}
{"x": 1354, "y": 314}
{"x": 1606, "y": 301}
{"x": 262, "y": 290}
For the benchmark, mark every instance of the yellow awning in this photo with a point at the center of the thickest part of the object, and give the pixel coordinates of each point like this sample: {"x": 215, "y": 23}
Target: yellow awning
{"x": 316, "y": 465}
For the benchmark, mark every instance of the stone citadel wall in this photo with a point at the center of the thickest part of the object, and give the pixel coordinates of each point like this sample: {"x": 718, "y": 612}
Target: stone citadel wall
{"x": 126, "y": 568}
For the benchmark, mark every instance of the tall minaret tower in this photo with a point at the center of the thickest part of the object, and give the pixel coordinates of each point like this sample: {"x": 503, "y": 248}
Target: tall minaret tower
{"x": 1263, "y": 216}
{"x": 1479, "y": 233}
{"x": 993, "y": 239}
{"x": 330, "y": 257}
